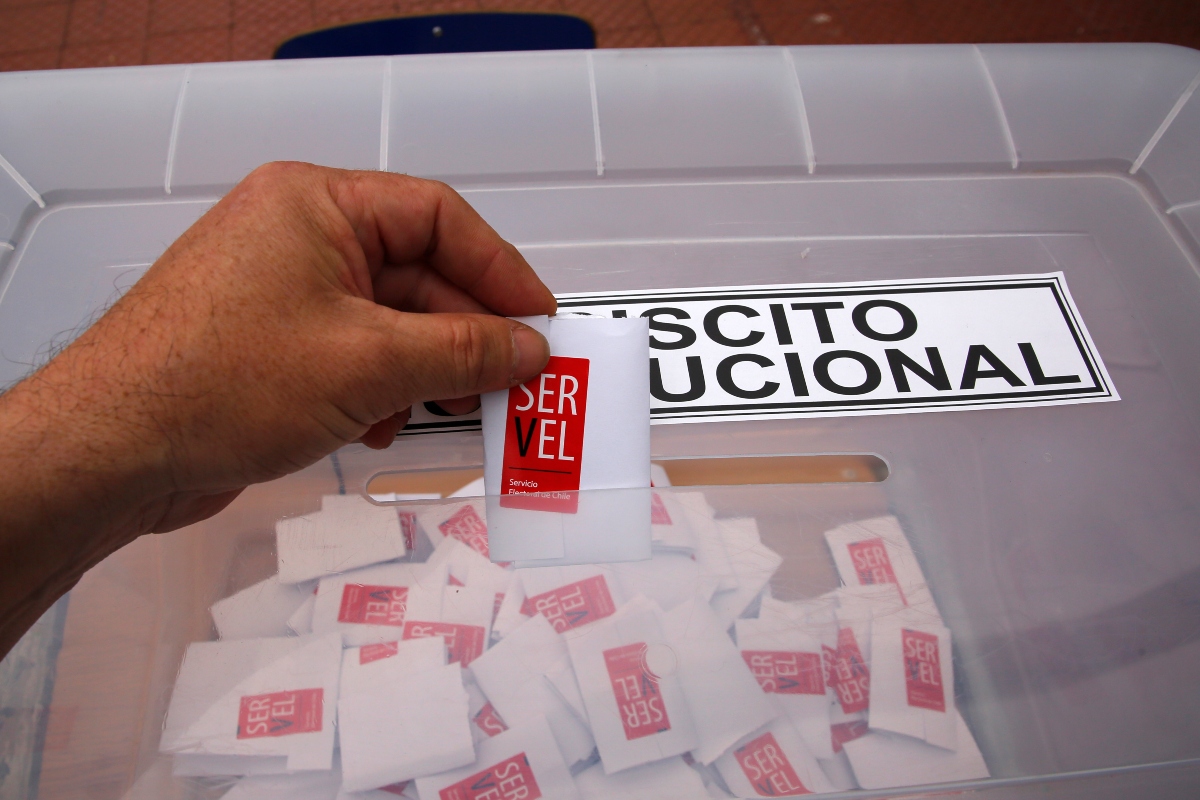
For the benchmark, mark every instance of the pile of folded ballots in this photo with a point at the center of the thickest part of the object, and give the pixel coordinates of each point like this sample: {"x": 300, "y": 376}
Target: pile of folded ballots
{"x": 364, "y": 670}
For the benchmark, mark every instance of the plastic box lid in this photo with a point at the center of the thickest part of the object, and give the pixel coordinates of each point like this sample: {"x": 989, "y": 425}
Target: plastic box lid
{"x": 1060, "y": 543}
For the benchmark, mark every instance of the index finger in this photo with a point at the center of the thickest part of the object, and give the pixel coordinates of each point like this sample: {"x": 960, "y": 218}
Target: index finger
{"x": 401, "y": 220}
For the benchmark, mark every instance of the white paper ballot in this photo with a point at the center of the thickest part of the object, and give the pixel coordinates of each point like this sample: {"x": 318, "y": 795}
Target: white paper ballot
{"x": 511, "y": 675}
{"x": 582, "y": 424}
{"x": 521, "y": 763}
{"x": 669, "y": 522}
{"x": 257, "y": 697}
{"x": 912, "y": 679}
{"x": 888, "y": 760}
{"x": 668, "y": 578}
{"x": 839, "y": 772}
{"x": 669, "y": 779}
{"x": 261, "y": 610}
{"x": 405, "y": 729}
{"x": 364, "y": 668}
{"x": 724, "y": 697}
{"x": 638, "y": 714}
{"x": 351, "y": 533}
{"x": 789, "y": 664}
{"x": 753, "y": 563}
{"x": 468, "y": 568}
{"x": 571, "y": 597}
{"x": 465, "y": 521}
{"x": 464, "y": 623}
{"x": 875, "y": 551}
{"x": 850, "y": 671}
{"x": 511, "y": 613}
{"x": 772, "y": 762}
{"x": 372, "y": 604}
{"x": 300, "y": 622}
{"x": 301, "y": 786}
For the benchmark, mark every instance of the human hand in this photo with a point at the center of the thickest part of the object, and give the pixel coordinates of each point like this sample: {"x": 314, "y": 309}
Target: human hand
{"x": 287, "y": 322}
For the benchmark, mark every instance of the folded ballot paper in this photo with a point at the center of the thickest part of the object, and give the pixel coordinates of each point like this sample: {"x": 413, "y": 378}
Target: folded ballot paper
{"x": 450, "y": 676}
{"x": 552, "y": 443}
{"x": 257, "y": 697}
{"x": 399, "y": 727}
{"x": 349, "y": 531}
{"x": 261, "y": 610}
{"x": 513, "y": 675}
{"x": 875, "y": 551}
{"x": 633, "y": 696}
{"x": 373, "y": 604}
{"x": 523, "y": 763}
{"x": 772, "y": 762}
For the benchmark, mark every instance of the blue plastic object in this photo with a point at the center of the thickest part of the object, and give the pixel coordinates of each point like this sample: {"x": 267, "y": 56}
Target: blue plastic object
{"x": 444, "y": 33}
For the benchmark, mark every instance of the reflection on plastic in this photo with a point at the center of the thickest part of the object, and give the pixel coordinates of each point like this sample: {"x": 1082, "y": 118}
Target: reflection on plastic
{"x": 599, "y": 525}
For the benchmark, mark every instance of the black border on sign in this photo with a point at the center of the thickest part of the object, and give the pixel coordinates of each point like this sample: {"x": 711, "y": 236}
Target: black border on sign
{"x": 1098, "y": 389}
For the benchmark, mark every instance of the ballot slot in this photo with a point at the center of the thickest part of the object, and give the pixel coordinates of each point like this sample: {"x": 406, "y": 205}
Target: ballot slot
{"x": 393, "y": 486}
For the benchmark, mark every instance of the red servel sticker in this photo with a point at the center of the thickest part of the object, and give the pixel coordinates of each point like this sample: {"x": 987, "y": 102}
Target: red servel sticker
{"x": 511, "y": 779}
{"x": 464, "y": 643}
{"x": 280, "y": 713}
{"x": 639, "y": 701}
{"x": 468, "y": 527}
{"x": 872, "y": 564}
{"x": 373, "y": 605}
{"x": 786, "y": 672}
{"x": 408, "y": 526}
{"x": 395, "y": 788}
{"x": 658, "y": 511}
{"x": 573, "y": 605}
{"x": 489, "y": 721}
{"x": 844, "y": 732}
{"x": 543, "y": 440}
{"x": 852, "y": 679}
{"x": 374, "y": 652}
{"x": 767, "y": 768}
{"x": 923, "y": 670}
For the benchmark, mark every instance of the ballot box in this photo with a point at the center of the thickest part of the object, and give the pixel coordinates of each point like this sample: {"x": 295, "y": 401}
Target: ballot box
{"x": 925, "y": 394}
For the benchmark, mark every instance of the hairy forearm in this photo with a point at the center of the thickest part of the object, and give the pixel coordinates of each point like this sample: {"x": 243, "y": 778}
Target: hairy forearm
{"x": 76, "y": 483}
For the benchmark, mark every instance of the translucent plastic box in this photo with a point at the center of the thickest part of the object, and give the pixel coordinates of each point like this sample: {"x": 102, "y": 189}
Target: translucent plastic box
{"x": 1060, "y": 543}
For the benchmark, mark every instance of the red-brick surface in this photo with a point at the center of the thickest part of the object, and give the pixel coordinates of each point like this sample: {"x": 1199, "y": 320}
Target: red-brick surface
{"x": 43, "y": 34}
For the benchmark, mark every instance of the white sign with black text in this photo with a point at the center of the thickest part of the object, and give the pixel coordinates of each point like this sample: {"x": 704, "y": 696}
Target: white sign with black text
{"x": 881, "y": 347}
{"x": 876, "y": 347}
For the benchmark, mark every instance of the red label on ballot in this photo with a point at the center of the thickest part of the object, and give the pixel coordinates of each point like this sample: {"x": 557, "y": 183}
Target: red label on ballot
{"x": 767, "y": 768}
{"x": 511, "y": 779}
{"x": 790, "y": 672}
{"x": 872, "y": 564}
{"x": 280, "y": 713}
{"x": 843, "y": 732}
{"x": 639, "y": 700}
{"x": 468, "y": 527}
{"x": 395, "y": 788}
{"x": 373, "y": 652}
{"x": 373, "y": 605}
{"x": 489, "y": 721}
{"x": 852, "y": 679}
{"x": 464, "y": 643}
{"x": 658, "y": 511}
{"x": 408, "y": 526}
{"x": 923, "y": 670}
{"x": 543, "y": 441}
{"x": 573, "y": 605}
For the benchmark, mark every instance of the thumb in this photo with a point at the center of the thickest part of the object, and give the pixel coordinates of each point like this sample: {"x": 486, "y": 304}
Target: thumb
{"x": 445, "y": 356}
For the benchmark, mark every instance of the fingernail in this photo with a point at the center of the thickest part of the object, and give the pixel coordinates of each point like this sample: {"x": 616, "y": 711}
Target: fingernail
{"x": 531, "y": 351}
